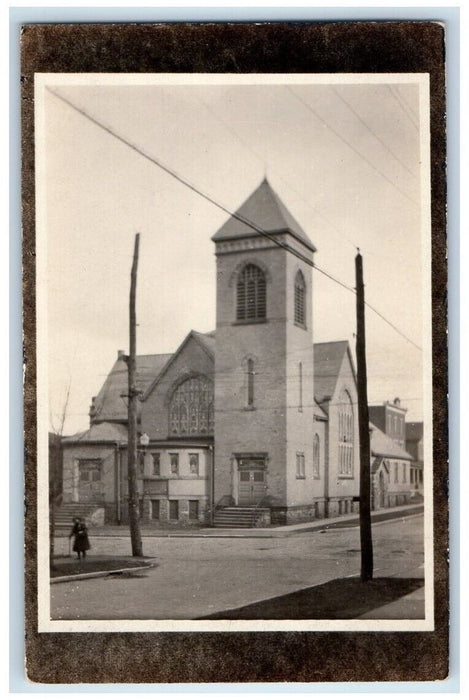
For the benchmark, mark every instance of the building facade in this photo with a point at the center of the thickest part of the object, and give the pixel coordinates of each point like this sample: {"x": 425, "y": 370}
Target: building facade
{"x": 252, "y": 415}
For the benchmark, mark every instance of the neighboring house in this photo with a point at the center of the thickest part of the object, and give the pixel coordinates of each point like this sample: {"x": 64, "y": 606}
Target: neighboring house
{"x": 390, "y": 471}
{"x": 414, "y": 445}
{"x": 390, "y": 419}
{"x": 252, "y": 415}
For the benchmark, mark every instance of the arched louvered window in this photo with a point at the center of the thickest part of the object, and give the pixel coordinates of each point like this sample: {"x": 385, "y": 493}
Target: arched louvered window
{"x": 300, "y": 299}
{"x": 191, "y": 408}
{"x": 250, "y": 294}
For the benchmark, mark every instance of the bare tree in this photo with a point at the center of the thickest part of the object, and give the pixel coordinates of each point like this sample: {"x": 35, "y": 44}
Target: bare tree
{"x": 55, "y": 469}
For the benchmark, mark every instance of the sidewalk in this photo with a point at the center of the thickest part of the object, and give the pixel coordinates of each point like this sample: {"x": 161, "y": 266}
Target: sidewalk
{"x": 272, "y": 532}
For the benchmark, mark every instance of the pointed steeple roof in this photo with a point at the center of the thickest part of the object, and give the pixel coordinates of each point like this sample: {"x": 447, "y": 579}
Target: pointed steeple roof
{"x": 265, "y": 209}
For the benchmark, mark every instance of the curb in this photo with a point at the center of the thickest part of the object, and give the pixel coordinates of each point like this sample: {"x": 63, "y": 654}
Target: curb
{"x": 98, "y": 574}
{"x": 275, "y": 532}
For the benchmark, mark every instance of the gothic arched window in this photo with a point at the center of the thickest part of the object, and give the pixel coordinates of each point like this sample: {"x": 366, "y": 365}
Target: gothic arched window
{"x": 250, "y": 294}
{"x": 300, "y": 299}
{"x": 346, "y": 434}
{"x": 191, "y": 408}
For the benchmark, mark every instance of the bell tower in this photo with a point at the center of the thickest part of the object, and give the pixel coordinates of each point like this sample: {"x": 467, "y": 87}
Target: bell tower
{"x": 264, "y": 391}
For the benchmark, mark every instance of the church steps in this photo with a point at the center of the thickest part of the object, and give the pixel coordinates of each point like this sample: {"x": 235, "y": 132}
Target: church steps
{"x": 239, "y": 517}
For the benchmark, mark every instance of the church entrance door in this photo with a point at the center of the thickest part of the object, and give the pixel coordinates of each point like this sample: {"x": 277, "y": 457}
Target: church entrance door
{"x": 252, "y": 485}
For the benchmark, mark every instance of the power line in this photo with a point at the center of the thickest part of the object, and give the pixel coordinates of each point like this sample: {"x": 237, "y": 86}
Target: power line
{"x": 405, "y": 108}
{"x": 352, "y": 147}
{"x": 217, "y": 204}
{"x": 368, "y": 127}
{"x": 264, "y": 164}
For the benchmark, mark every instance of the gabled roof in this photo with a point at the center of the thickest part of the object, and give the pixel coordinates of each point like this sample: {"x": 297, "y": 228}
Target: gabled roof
{"x": 99, "y": 433}
{"x": 206, "y": 342}
{"x": 110, "y": 404}
{"x": 413, "y": 431}
{"x": 328, "y": 358}
{"x": 383, "y": 446}
{"x": 265, "y": 209}
{"x": 319, "y": 412}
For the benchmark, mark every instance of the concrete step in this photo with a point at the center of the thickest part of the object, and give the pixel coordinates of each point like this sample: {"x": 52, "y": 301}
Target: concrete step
{"x": 238, "y": 516}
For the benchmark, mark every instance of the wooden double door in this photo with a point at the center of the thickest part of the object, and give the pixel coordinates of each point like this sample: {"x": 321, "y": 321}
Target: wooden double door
{"x": 251, "y": 481}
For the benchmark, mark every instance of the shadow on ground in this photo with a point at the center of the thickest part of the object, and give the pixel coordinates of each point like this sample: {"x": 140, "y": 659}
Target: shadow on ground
{"x": 340, "y": 599}
{"x": 65, "y": 567}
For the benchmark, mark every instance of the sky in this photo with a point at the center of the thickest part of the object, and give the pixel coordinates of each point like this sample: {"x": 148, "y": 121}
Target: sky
{"x": 344, "y": 158}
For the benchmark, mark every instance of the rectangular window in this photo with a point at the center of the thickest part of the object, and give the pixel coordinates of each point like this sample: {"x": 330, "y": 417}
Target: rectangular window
{"x": 300, "y": 465}
{"x": 155, "y": 510}
{"x": 300, "y": 387}
{"x": 156, "y": 457}
{"x": 404, "y": 473}
{"x": 250, "y": 383}
{"x": 193, "y": 510}
{"x": 174, "y": 462}
{"x": 194, "y": 464}
{"x": 396, "y": 472}
{"x": 174, "y": 510}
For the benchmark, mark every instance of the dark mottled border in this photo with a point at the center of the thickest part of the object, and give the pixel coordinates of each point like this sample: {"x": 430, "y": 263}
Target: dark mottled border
{"x": 241, "y": 48}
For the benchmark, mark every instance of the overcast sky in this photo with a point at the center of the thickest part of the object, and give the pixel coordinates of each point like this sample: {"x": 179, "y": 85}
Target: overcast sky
{"x": 344, "y": 159}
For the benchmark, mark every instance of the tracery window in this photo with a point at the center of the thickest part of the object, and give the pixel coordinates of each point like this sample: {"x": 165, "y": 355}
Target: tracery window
{"x": 250, "y": 294}
{"x": 300, "y": 290}
{"x": 345, "y": 435}
{"x": 191, "y": 408}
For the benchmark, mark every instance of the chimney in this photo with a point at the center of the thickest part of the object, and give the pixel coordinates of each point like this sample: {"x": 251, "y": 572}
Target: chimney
{"x": 120, "y": 354}
{"x": 93, "y": 410}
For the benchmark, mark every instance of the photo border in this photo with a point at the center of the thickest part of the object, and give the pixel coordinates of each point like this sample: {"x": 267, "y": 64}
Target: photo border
{"x": 425, "y": 51}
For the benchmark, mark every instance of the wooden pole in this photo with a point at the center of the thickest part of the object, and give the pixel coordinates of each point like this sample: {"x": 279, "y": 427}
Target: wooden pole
{"x": 135, "y": 536}
{"x": 364, "y": 431}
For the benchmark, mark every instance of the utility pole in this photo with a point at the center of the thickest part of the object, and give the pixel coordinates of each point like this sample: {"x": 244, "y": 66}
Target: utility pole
{"x": 364, "y": 430}
{"x": 135, "y": 535}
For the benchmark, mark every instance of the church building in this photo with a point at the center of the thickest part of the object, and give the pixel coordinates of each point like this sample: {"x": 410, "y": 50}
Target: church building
{"x": 251, "y": 424}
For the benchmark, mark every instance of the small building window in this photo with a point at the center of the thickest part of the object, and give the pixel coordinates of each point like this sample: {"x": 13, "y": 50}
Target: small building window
{"x": 396, "y": 472}
{"x": 194, "y": 464}
{"x": 300, "y": 465}
{"x": 156, "y": 459}
{"x": 251, "y": 294}
{"x": 174, "y": 510}
{"x": 404, "y": 473}
{"x": 155, "y": 510}
{"x": 250, "y": 373}
{"x": 300, "y": 386}
{"x": 174, "y": 463}
{"x": 300, "y": 289}
{"x": 316, "y": 457}
{"x": 193, "y": 510}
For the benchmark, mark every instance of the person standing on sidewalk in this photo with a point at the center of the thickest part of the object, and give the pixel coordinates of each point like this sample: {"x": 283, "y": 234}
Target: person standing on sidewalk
{"x": 81, "y": 543}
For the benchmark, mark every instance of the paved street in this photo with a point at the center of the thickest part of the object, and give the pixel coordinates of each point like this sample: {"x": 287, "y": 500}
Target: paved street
{"x": 194, "y": 577}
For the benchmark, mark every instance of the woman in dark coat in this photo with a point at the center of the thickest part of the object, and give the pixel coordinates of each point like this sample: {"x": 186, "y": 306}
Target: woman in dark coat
{"x": 81, "y": 543}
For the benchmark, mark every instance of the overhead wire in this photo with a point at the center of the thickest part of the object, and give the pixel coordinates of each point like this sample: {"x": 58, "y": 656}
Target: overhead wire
{"x": 352, "y": 147}
{"x": 403, "y": 105}
{"x": 172, "y": 173}
{"x": 263, "y": 162}
{"x": 373, "y": 132}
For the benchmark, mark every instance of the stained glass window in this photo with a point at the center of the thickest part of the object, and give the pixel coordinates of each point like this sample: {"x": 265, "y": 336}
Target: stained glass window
{"x": 191, "y": 408}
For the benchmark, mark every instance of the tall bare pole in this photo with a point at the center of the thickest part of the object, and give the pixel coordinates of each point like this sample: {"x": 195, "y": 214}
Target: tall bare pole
{"x": 135, "y": 535}
{"x": 364, "y": 430}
